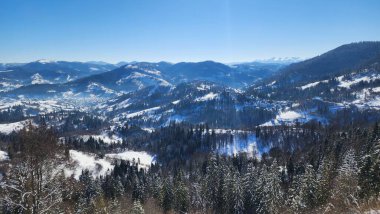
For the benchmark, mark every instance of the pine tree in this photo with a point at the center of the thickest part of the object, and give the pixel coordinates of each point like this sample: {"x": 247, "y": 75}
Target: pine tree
{"x": 249, "y": 182}
{"x": 308, "y": 190}
{"x": 272, "y": 197}
{"x": 238, "y": 195}
{"x": 167, "y": 196}
{"x": 324, "y": 180}
{"x": 31, "y": 186}
{"x": 346, "y": 186}
{"x": 375, "y": 169}
{"x": 294, "y": 200}
{"x": 181, "y": 194}
{"x": 212, "y": 179}
{"x": 137, "y": 208}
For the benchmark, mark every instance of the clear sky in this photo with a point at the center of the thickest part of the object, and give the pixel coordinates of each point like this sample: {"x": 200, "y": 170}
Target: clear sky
{"x": 181, "y": 30}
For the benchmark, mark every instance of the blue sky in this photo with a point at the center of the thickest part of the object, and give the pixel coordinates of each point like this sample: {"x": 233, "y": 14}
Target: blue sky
{"x": 181, "y": 30}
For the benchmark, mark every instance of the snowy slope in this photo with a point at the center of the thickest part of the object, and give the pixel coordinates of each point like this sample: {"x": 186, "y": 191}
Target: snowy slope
{"x": 8, "y": 128}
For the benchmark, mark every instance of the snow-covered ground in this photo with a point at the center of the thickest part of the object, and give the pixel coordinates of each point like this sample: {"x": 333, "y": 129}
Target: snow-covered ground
{"x": 38, "y": 79}
{"x": 41, "y": 105}
{"x": 3, "y": 156}
{"x": 285, "y": 117}
{"x": 242, "y": 142}
{"x": 145, "y": 111}
{"x": 80, "y": 161}
{"x": 209, "y": 96}
{"x": 247, "y": 144}
{"x": 357, "y": 78}
{"x": 105, "y": 137}
{"x": 313, "y": 84}
{"x": 142, "y": 158}
{"x": 8, "y": 128}
{"x": 290, "y": 117}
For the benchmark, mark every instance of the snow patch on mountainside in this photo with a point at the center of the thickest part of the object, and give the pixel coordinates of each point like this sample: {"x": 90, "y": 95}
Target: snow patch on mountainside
{"x": 203, "y": 87}
{"x": 45, "y": 61}
{"x": 8, "y": 128}
{"x": 241, "y": 144}
{"x": 176, "y": 102}
{"x": 105, "y": 137}
{"x": 81, "y": 161}
{"x": 313, "y": 84}
{"x": 284, "y": 117}
{"x": 209, "y": 96}
{"x": 3, "y": 156}
{"x": 142, "y": 80}
{"x": 8, "y": 86}
{"x": 142, "y": 158}
{"x": 139, "y": 113}
{"x": 288, "y": 115}
{"x": 123, "y": 104}
{"x": 154, "y": 71}
{"x": 357, "y": 79}
{"x": 376, "y": 90}
{"x": 95, "y": 86}
{"x": 38, "y": 79}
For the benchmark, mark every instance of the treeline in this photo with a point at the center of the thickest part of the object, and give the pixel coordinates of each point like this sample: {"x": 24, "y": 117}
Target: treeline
{"x": 12, "y": 114}
{"x": 72, "y": 121}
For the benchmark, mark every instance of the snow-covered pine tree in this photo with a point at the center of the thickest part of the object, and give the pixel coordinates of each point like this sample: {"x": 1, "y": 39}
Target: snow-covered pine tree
{"x": 167, "y": 195}
{"x": 272, "y": 197}
{"x": 34, "y": 184}
{"x": 324, "y": 181}
{"x": 249, "y": 182}
{"x": 345, "y": 193}
{"x": 212, "y": 179}
{"x": 308, "y": 190}
{"x": 137, "y": 208}
{"x": 238, "y": 194}
{"x": 181, "y": 195}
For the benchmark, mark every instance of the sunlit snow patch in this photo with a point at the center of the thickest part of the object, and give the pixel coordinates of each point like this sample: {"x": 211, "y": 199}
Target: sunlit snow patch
{"x": 313, "y": 84}
{"x": 3, "y": 156}
{"x": 8, "y": 128}
{"x": 284, "y": 117}
{"x": 105, "y": 137}
{"x": 142, "y": 158}
{"x": 209, "y": 96}
{"x": 80, "y": 161}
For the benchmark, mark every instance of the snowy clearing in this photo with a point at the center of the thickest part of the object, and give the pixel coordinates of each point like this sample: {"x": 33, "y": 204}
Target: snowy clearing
{"x": 8, "y": 128}
{"x": 105, "y": 137}
{"x": 288, "y": 115}
{"x": 139, "y": 113}
{"x": 142, "y": 158}
{"x": 80, "y": 161}
{"x": 313, "y": 84}
{"x": 356, "y": 80}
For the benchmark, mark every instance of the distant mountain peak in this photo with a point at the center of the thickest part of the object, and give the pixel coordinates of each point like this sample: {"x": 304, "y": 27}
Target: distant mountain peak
{"x": 44, "y": 61}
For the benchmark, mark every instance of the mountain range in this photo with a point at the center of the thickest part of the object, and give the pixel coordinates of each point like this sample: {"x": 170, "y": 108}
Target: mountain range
{"x": 239, "y": 94}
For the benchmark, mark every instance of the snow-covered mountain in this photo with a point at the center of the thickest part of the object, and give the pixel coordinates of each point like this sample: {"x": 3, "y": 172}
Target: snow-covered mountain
{"x": 153, "y": 94}
{"x": 47, "y": 71}
{"x": 43, "y": 82}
